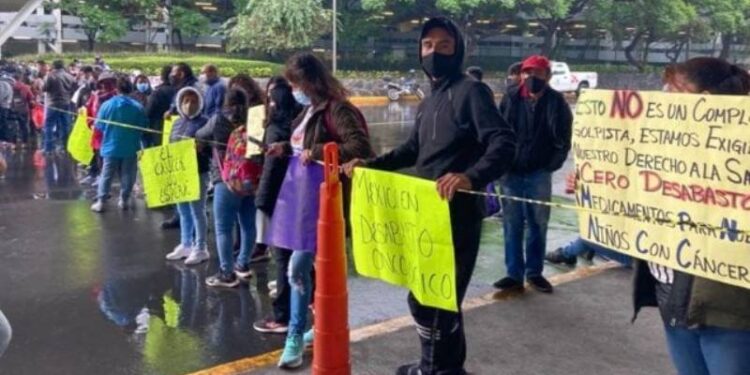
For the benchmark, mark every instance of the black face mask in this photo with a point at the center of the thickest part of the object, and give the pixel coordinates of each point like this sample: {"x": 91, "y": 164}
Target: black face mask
{"x": 437, "y": 65}
{"x": 535, "y": 85}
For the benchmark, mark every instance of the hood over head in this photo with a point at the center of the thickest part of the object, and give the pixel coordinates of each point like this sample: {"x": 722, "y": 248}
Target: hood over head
{"x": 457, "y": 61}
{"x": 178, "y": 100}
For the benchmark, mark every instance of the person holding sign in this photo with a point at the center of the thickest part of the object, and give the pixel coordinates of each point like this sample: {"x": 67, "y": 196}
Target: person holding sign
{"x": 119, "y": 144}
{"x": 543, "y": 121}
{"x": 327, "y": 117}
{"x": 193, "y": 222}
{"x": 460, "y": 140}
{"x": 707, "y": 323}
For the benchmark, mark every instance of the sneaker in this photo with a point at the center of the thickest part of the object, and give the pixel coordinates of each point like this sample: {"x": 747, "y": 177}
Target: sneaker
{"x": 259, "y": 254}
{"x": 123, "y": 204}
{"x": 308, "y": 338}
{"x": 180, "y": 252}
{"x": 588, "y": 255}
{"x": 197, "y": 257}
{"x": 557, "y": 257}
{"x": 243, "y": 272}
{"x": 412, "y": 369}
{"x": 291, "y": 358}
{"x": 270, "y": 326}
{"x": 509, "y": 283}
{"x": 540, "y": 284}
{"x": 171, "y": 223}
{"x": 98, "y": 206}
{"x": 273, "y": 293}
{"x": 88, "y": 180}
{"x": 271, "y": 285}
{"x": 223, "y": 280}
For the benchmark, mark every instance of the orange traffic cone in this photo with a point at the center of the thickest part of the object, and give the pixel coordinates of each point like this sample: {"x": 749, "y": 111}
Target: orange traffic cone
{"x": 331, "y": 350}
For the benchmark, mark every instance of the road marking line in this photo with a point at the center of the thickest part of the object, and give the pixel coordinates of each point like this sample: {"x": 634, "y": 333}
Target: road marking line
{"x": 392, "y": 325}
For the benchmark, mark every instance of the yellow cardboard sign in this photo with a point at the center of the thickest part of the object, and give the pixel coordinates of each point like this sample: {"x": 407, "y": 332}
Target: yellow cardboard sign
{"x": 401, "y": 232}
{"x": 672, "y": 173}
{"x": 167, "y": 129}
{"x": 256, "y": 116}
{"x": 170, "y": 173}
{"x": 79, "y": 141}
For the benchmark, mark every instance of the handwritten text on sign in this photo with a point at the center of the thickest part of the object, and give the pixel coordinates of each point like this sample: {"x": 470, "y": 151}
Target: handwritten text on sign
{"x": 401, "y": 234}
{"x": 674, "y": 172}
{"x": 170, "y": 174}
{"x": 79, "y": 141}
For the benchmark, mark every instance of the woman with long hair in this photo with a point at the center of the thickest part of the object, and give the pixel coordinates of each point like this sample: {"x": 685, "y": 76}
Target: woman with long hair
{"x": 281, "y": 110}
{"x": 229, "y": 207}
{"x": 327, "y": 117}
{"x": 707, "y": 323}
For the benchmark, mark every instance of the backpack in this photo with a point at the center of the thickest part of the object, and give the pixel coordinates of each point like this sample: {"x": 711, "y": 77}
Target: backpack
{"x": 241, "y": 175}
{"x": 20, "y": 104}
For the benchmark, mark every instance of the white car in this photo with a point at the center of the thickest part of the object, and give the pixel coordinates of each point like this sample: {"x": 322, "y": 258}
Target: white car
{"x": 564, "y": 80}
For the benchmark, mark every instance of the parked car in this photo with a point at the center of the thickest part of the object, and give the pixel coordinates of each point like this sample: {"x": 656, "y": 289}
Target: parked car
{"x": 564, "y": 80}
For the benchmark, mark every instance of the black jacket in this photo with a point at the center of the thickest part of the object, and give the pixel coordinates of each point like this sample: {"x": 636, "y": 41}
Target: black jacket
{"x": 544, "y": 143}
{"x": 458, "y": 129}
{"x": 157, "y": 104}
{"x": 274, "y": 168}
{"x": 216, "y": 132}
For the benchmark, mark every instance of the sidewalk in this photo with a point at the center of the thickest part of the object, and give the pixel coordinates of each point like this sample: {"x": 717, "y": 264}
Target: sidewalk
{"x": 582, "y": 329}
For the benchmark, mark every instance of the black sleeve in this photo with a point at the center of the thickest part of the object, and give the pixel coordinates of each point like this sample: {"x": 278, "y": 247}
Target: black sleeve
{"x": 403, "y": 156}
{"x": 274, "y": 170}
{"x": 206, "y": 132}
{"x": 493, "y": 132}
{"x": 562, "y": 131}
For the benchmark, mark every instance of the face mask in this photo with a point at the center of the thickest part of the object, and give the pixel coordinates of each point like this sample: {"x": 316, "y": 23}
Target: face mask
{"x": 535, "y": 85}
{"x": 437, "y": 65}
{"x": 301, "y": 98}
{"x": 202, "y": 78}
{"x": 189, "y": 108}
{"x": 510, "y": 82}
{"x": 142, "y": 87}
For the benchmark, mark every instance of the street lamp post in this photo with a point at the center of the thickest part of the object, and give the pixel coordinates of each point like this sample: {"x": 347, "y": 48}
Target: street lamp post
{"x": 335, "y": 16}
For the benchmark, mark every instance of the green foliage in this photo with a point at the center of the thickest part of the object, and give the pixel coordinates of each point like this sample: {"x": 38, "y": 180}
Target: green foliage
{"x": 101, "y": 23}
{"x": 152, "y": 64}
{"x": 189, "y": 21}
{"x": 279, "y": 25}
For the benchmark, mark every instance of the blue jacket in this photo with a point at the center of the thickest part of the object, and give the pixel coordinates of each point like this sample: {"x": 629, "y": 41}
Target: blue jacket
{"x": 214, "y": 98}
{"x": 118, "y": 141}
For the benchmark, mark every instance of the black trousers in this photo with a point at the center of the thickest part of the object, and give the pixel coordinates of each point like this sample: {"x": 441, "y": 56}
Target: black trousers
{"x": 281, "y": 304}
{"x": 441, "y": 332}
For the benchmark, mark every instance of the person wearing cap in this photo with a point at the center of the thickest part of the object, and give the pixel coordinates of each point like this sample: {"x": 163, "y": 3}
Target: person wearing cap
{"x": 543, "y": 122}
{"x": 461, "y": 141}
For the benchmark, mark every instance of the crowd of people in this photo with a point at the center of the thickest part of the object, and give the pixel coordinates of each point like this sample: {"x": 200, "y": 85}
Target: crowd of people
{"x": 462, "y": 139}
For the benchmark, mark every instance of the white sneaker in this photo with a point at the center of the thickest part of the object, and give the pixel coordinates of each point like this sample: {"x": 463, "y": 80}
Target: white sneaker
{"x": 98, "y": 206}
{"x": 123, "y": 204}
{"x": 197, "y": 257}
{"x": 180, "y": 252}
{"x": 271, "y": 285}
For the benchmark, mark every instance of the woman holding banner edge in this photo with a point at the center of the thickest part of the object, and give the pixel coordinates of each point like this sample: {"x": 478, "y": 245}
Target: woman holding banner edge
{"x": 707, "y": 323}
{"x": 327, "y": 117}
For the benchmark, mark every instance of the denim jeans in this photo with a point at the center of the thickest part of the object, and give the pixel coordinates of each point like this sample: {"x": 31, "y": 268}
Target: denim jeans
{"x": 127, "y": 168}
{"x": 709, "y": 350}
{"x": 521, "y": 218}
{"x": 56, "y": 128}
{"x": 193, "y": 220}
{"x": 579, "y": 246}
{"x": 300, "y": 267}
{"x": 229, "y": 209}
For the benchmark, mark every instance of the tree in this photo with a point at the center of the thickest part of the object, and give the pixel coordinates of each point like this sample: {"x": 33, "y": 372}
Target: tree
{"x": 728, "y": 18}
{"x": 643, "y": 22}
{"x": 552, "y": 16}
{"x": 274, "y": 26}
{"x": 187, "y": 22}
{"x": 100, "y": 23}
{"x": 466, "y": 13}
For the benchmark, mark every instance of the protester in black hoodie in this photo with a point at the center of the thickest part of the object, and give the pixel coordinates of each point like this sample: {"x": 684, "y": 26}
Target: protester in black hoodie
{"x": 543, "y": 122}
{"x": 460, "y": 140}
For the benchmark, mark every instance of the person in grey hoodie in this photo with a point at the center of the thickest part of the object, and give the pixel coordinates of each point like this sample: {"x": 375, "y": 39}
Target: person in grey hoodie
{"x": 59, "y": 87}
{"x": 7, "y": 120}
{"x": 193, "y": 222}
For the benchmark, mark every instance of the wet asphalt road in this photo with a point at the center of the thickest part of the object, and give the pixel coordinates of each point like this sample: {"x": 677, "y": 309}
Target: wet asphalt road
{"x": 92, "y": 294}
